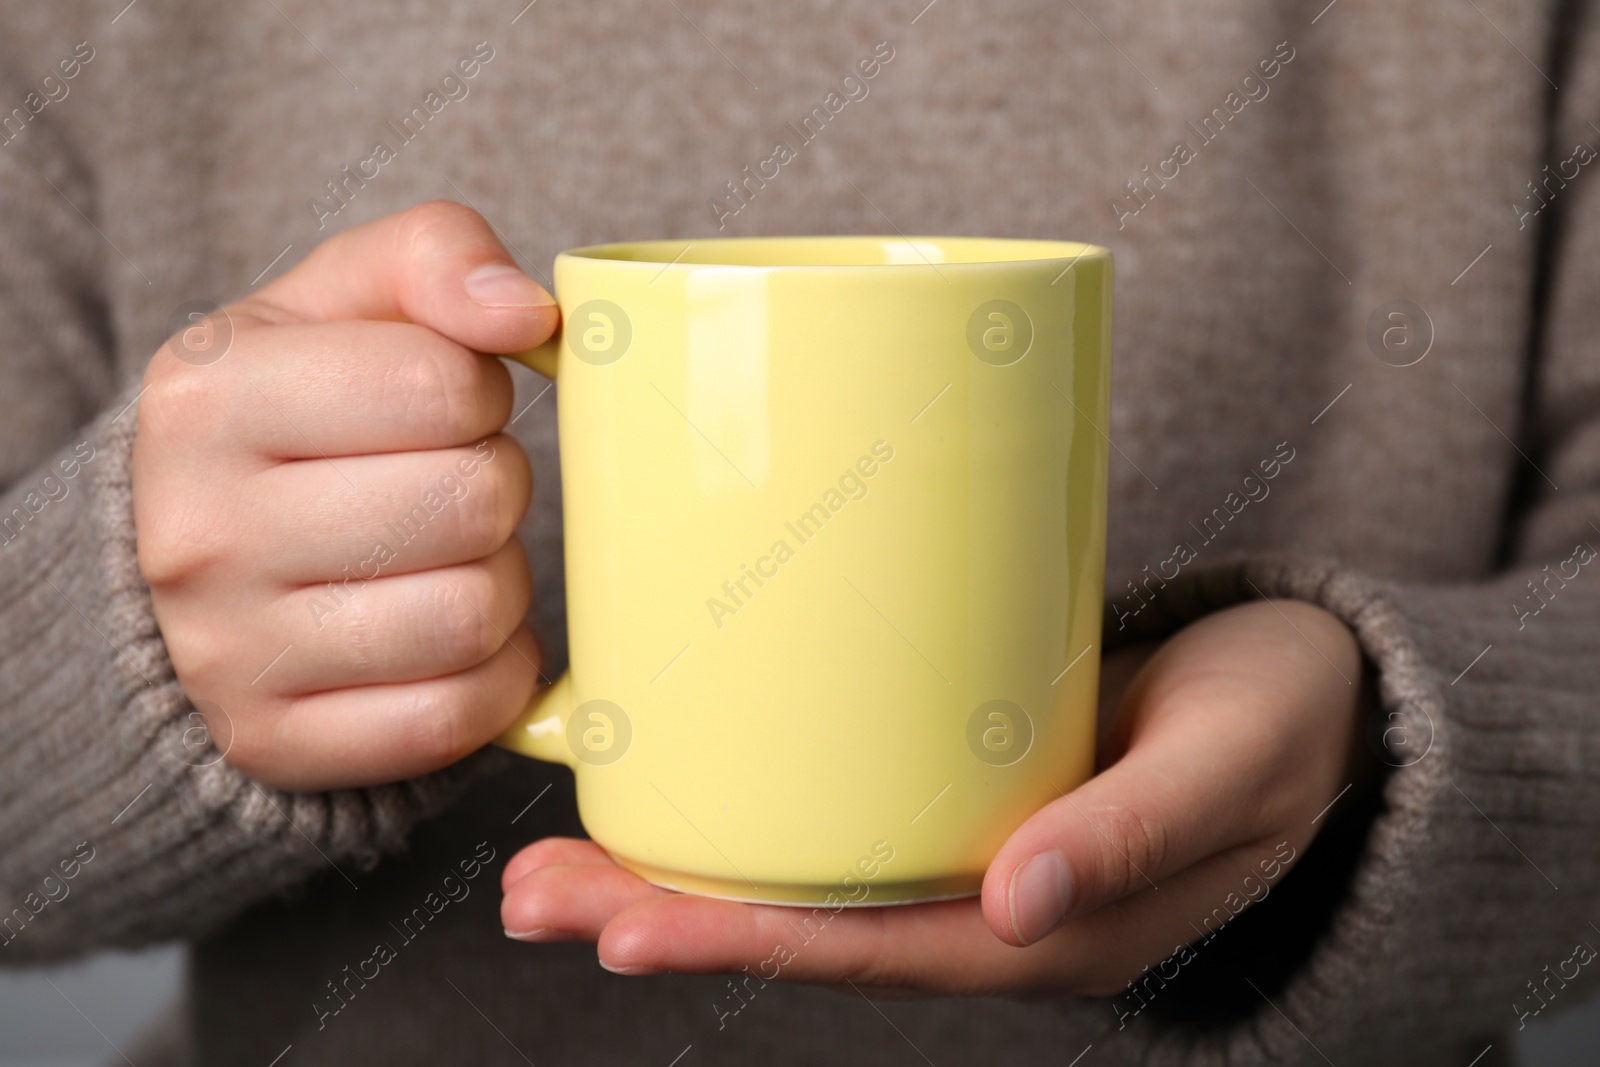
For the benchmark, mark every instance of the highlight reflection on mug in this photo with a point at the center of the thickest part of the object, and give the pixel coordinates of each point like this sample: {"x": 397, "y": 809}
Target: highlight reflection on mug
{"x": 999, "y": 733}
{"x": 599, "y": 732}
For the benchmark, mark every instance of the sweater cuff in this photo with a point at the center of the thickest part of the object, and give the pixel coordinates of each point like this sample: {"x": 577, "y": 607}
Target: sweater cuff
{"x": 109, "y": 773}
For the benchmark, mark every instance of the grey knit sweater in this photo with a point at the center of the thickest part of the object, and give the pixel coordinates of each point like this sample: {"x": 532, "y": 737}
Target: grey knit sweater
{"x": 1273, "y": 175}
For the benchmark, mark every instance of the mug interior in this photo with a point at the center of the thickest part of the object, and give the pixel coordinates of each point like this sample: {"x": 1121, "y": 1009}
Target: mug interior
{"x": 863, "y": 251}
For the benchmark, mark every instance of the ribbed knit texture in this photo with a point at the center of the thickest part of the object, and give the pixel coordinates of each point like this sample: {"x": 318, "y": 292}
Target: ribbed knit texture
{"x": 107, "y": 750}
{"x": 1382, "y": 164}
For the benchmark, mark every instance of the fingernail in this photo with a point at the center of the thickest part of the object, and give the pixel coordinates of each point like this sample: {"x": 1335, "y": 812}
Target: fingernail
{"x": 630, "y": 971}
{"x": 501, "y": 285}
{"x": 539, "y": 933}
{"x": 1041, "y": 890}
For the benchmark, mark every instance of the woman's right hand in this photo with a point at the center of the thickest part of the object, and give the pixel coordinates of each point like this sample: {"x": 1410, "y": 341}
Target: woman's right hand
{"x": 326, "y": 509}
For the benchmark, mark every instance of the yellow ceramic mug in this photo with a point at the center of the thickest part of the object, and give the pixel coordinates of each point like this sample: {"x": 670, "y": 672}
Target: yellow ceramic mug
{"x": 835, "y": 541}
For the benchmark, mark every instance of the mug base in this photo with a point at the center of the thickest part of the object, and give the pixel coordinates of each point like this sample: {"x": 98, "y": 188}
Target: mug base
{"x": 880, "y": 894}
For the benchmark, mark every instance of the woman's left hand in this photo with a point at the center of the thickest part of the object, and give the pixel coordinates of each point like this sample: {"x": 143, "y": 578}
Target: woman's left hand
{"x": 1232, "y": 738}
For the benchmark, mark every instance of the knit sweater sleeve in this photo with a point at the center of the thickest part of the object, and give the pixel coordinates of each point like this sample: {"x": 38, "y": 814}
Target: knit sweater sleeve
{"x": 1472, "y": 872}
{"x": 1463, "y": 900}
{"x": 119, "y": 823}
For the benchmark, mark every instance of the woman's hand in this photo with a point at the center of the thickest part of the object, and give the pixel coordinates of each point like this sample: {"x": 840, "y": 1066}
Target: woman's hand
{"x": 327, "y": 508}
{"x": 1228, "y": 744}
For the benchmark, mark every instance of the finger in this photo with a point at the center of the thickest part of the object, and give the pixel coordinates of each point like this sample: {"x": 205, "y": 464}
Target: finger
{"x": 401, "y": 629}
{"x": 362, "y": 517}
{"x": 315, "y": 392}
{"x": 438, "y": 264}
{"x": 944, "y": 947}
{"x": 1210, "y": 757}
{"x": 571, "y": 902}
{"x": 385, "y": 733}
{"x": 551, "y": 852}
{"x": 353, "y": 388}
{"x": 1183, "y": 793}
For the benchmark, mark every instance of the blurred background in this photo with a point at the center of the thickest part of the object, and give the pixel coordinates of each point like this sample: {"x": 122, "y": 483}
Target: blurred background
{"x": 79, "y": 1015}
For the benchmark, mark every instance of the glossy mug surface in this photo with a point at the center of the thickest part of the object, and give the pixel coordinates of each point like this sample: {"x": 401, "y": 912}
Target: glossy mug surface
{"x": 835, "y": 541}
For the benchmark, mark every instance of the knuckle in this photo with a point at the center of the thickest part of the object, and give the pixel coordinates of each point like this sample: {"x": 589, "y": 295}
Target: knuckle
{"x": 180, "y": 524}
{"x": 182, "y": 404}
{"x": 460, "y": 630}
{"x": 441, "y": 395}
{"x": 201, "y": 664}
{"x": 434, "y": 724}
{"x": 361, "y": 638}
{"x": 488, "y": 512}
{"x": 429, "y": 226}
{"x": 163, "y": 560}
{"x": 1139, "y": 848}
{"x": 202, "y": 661}
{"x": 175, "y": 540}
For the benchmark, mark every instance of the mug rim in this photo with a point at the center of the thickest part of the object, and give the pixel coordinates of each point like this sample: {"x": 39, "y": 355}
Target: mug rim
{"x": 661, "y": 254}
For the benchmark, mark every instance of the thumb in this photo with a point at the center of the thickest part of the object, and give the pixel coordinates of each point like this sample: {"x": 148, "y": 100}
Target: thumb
{"x": 1167, "y": 804}
{"x": 438, "y": 265}
{"x": 1229, "y": 733}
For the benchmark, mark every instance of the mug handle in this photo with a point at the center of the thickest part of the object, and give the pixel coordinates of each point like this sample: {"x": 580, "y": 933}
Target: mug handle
{"x": 541, "y": 730}
{"x": 544, "y": 358}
